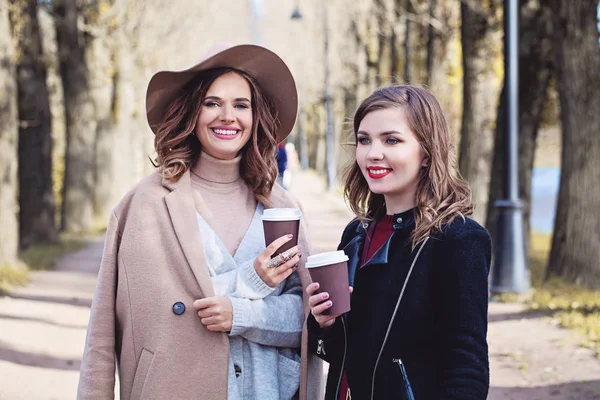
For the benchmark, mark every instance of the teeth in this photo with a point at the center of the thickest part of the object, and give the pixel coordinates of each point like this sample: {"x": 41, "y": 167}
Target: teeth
{"x": 225, "y": 131}
{"x": 378, "y": 171}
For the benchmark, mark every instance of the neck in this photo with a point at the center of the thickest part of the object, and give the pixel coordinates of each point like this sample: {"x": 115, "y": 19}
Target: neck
{"x": 211, "y": 169}
{"x": 399, "y": 203}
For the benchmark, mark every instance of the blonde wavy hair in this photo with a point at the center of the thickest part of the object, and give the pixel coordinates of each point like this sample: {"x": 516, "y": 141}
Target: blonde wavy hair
{"x": 177, "y": 146}
{"x": 442, "y": 194}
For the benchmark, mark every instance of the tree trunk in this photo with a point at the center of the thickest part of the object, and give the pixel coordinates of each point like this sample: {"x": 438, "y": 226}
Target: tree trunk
{"x": 575, "y": 254}
{"x": 100, "y": 61}
{"x": 36, "y": 200}
{"x": 431, "y": 41}
{"x": 407, "y": 75}
{"x": 536, "y": 66}
{"x": 384, "y": 56}
{"x": 8, "y": 144}
{"x": 129, "y": 143}
{"x": 480, "y": 100}
{"x": 78, "y": 193}
{"x": 395, "y": 56}
{"x": 119, "y": 149}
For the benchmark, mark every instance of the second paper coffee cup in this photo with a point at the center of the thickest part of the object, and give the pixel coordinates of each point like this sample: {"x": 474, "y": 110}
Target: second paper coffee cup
{"x": 278, "y": 222}
{"x": 331, "y": 271}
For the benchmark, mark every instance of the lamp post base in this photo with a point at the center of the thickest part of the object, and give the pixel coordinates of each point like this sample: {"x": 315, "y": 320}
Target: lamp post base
{"x": 510, "y": 273}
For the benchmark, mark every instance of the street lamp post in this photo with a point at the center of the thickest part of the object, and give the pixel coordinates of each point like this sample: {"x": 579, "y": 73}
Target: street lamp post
{"x": 510, "y": 272}
{"x": 327, "y": 98}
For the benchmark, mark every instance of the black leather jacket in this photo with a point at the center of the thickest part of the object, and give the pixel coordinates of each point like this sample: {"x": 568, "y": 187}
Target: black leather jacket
{"x": 439, "y": 328}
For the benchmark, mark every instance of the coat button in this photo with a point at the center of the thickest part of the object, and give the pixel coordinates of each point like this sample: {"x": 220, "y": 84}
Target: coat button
{"x": 179, "y": 308}
{"x": 238, "y": 371}
{"x": 399, "y": 220}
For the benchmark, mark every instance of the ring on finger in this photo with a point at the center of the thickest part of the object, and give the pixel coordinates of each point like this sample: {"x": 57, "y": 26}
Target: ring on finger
{"x": 275, "y": 262}
{"x": 288, "y": 255}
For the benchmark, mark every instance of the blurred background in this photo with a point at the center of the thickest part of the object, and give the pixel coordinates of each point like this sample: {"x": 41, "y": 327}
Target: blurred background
{"x": 74, "y": 136}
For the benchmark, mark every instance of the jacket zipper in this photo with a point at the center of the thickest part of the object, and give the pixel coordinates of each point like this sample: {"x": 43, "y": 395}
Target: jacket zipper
{"x": 407, "y": 388}
{"x": 321, "y": 347}
{"x": 337, "y": 390}
{"x": 387, "y": 333}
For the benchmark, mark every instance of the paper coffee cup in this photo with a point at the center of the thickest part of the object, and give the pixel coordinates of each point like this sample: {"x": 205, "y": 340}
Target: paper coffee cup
{"x": 330, "y": 269}
{"x": 278, "y": 222}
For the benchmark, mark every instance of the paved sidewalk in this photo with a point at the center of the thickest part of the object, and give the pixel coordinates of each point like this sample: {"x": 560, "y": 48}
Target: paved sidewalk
{"x": 42, "y": 326}
{"x": 42, "y": 329}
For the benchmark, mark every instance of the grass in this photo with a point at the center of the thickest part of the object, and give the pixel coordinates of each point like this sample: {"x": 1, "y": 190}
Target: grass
{"x": 571, "y": 306}
{"x": 42, "y": 257}
{"x": 39, "y": 257}
{"x": 13, "y": 276}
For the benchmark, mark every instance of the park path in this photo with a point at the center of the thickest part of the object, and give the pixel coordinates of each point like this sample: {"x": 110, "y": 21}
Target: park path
{"x": 43, "y": 325}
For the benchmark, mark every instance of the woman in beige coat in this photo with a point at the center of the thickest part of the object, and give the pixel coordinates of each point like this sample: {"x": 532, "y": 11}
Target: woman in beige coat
{"x": 189, "y": 303}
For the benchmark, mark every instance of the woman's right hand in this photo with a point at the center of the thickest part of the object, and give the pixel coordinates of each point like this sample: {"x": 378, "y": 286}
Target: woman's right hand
{"x": 273, "y": 276}
{"x": 319, "y": 303}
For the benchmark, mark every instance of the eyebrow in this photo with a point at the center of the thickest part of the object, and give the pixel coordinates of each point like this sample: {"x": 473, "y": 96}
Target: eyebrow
{"x": 218, "y": 98}
{"x": 386, "y": 133}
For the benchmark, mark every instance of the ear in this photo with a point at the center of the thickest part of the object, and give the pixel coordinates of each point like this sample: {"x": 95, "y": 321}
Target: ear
{"x": 425, "y": 162}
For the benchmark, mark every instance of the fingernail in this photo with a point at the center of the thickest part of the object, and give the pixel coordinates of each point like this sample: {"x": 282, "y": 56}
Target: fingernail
{"x": 316, "y": 285}
{"x": 325, "y": 295}
{"x": 299, "y": 255}
{"x": 289, "y": 235}
{"x": 328, "y": 304}
{"x": 295, "y": 267}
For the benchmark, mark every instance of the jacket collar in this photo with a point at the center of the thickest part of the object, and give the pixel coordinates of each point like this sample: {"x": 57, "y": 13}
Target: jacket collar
{"x": 400, "y": 221}
{"x": 404, "y": 220}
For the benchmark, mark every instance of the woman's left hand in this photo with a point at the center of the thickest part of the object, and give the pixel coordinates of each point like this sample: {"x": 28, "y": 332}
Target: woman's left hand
{"x": 216, "y": 313}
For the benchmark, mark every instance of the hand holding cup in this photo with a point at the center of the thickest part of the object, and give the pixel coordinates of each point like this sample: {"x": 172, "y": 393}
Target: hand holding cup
{"x": 320, "y": 304}
{"x": 275, "y": 270}
{"x": 329, "y": 272}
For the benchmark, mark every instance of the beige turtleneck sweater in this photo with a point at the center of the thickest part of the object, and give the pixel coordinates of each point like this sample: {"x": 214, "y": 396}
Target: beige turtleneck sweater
{"x": 223, "y": 198}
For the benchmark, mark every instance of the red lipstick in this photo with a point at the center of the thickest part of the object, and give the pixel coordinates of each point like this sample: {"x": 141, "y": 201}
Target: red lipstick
{"x": 378, "y": 172}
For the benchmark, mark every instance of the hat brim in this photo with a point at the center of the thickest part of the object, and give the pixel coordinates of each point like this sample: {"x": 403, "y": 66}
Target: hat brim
{"x": 267, "y": 68}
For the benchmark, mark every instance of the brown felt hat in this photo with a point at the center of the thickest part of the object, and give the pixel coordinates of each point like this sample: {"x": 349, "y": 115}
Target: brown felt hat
{"x": 266, "y": 67}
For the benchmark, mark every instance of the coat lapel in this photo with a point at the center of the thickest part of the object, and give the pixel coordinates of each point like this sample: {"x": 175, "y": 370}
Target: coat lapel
{"x": 180, "y": 203}
{"x": 353, "y": 251}
{"x": 381, "y": 255}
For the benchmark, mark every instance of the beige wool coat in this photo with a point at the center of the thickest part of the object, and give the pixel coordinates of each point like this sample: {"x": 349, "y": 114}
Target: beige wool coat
{"x": 153, "y": 258}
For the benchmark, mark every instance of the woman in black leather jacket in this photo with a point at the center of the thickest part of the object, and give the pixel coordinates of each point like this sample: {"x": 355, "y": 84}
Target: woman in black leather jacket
{"x": 417, "y": 265}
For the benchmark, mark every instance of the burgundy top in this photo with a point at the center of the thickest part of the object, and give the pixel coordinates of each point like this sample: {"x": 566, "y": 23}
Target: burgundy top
{"x": 378, "y": 233}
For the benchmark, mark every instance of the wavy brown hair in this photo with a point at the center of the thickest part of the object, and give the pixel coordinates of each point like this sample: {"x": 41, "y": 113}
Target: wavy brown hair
{"x": 177, "y": 146}
{"x": 442, "y": 194}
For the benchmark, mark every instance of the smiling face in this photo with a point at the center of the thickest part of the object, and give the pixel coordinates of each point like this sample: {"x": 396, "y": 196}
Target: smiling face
{"x": 224, "y": 125}
{"x": 390, "y": 157}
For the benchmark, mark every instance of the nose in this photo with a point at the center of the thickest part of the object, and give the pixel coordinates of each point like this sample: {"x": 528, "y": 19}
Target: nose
{"x": 375, "y": 152}
{"x": 226, "y": 113}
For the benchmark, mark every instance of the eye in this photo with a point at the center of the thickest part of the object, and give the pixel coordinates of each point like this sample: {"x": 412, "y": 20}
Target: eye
{"x": 211, "y": 104}
{"x": 363, "y": 140}
{"x": 242, "y": 106}
{"x": 392, "y": 140}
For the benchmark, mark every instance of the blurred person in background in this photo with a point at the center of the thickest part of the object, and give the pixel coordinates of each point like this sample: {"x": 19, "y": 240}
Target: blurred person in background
{"x": 189, "y": 303}
{"x": 282, "y": 161}
{"x": 418, "y": 266}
